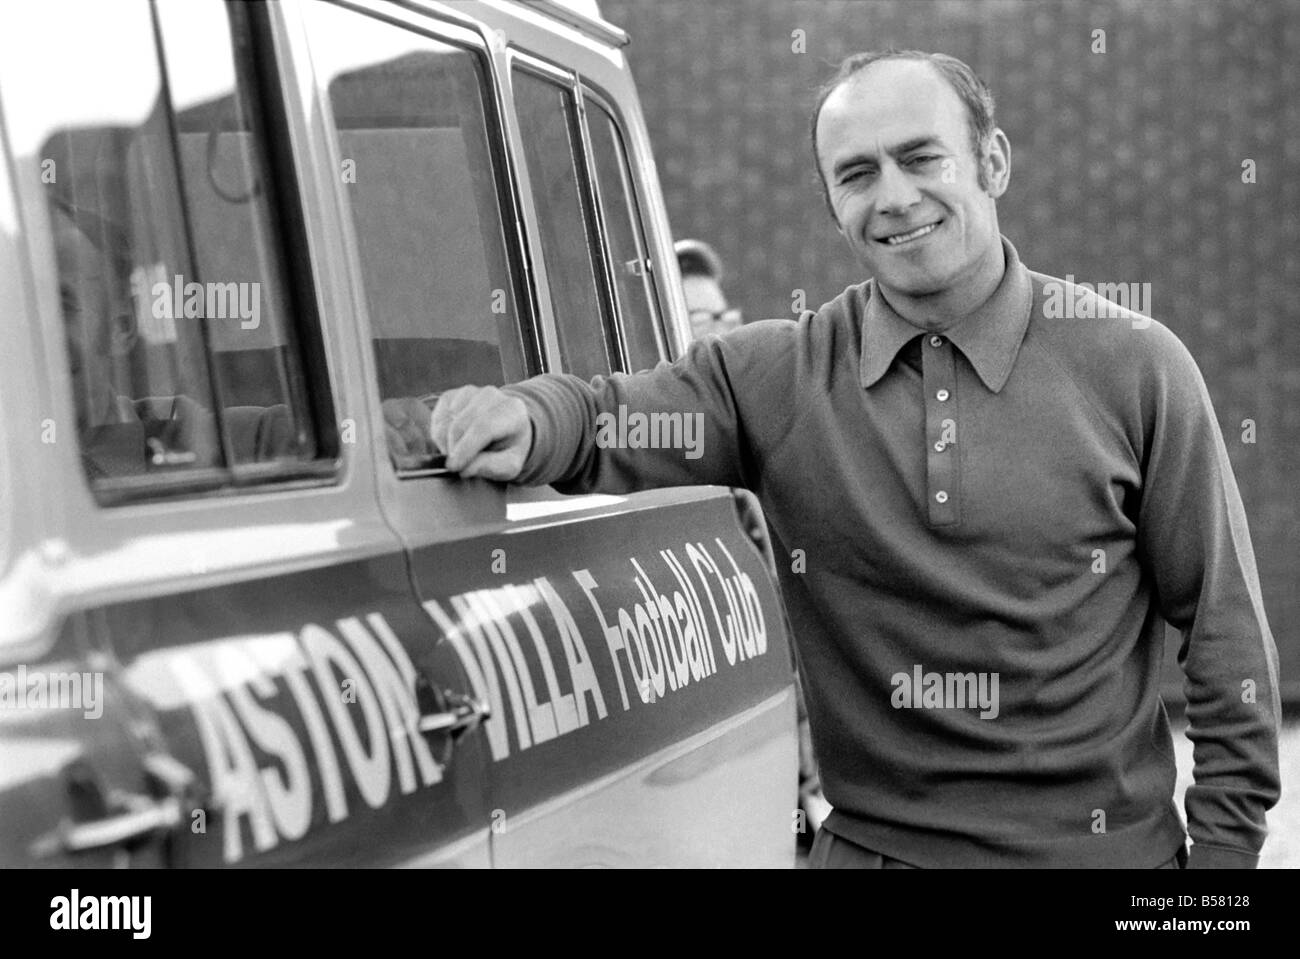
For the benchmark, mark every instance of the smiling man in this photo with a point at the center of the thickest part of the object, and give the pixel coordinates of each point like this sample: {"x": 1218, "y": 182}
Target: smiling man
{"x": 998, "y": 510}
{"x": 911, "y": 174}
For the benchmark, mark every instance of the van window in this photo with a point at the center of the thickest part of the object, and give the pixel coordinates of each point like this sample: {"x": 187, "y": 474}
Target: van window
{"x": 628, "y": 257}
{"x": 185, "y": 363}
{"x": 421, "y": 171}
{"x": 549, "y": 128}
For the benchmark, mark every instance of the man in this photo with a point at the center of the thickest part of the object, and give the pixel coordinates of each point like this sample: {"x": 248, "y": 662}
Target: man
{"x": 706, "y": 304}
{"x": 996, "y": 509}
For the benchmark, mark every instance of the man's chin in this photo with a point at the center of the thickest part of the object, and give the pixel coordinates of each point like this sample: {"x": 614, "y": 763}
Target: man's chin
{"x": 912, "y": 285}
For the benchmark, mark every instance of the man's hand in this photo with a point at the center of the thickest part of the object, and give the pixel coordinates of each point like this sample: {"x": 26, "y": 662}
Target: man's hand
{"x": 483, "y": 431}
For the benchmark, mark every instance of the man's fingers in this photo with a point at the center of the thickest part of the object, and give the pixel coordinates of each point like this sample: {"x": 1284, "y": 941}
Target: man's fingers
{"x": 474, "y": 420}
{"x": 444, "y": 412}
{"x": 503, "y": 465}
{"x": 472, "y": 432}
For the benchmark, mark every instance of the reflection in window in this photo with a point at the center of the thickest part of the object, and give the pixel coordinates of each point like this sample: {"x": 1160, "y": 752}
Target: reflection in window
{"x": 422, "y": 185}
{"x": 162, "y": 274}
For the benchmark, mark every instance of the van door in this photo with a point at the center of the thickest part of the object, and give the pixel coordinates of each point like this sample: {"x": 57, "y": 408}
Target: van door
{"x": 631, "y": 650}
{"x": 286, "y": 692}
{"x": 699, "y": 702}
{"x": 75, "y": 790}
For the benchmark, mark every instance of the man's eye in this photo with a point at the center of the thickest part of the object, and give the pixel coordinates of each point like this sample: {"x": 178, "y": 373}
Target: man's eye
{"x": 919, "y": 160}
{"x": 853, "y": 175}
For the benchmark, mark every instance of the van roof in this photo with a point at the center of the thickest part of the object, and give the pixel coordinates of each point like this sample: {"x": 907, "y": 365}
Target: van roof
{"x": 582, "y": 15}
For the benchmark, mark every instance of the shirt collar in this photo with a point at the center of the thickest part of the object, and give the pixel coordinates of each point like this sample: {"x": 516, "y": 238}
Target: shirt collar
{"x": 989, "y": 338}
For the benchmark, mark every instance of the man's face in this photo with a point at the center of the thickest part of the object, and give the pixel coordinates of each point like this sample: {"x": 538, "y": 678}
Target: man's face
{"x": 705, "y": 305}
{"x": 895, "y": 150}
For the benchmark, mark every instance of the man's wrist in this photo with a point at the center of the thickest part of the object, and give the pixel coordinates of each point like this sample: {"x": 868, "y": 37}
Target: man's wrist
{"x": 1202, "y": 856}
{"x": 533, "y": 411}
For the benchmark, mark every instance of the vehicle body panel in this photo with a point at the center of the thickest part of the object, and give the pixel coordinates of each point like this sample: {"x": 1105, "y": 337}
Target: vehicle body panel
{"x": 269, "y": 654}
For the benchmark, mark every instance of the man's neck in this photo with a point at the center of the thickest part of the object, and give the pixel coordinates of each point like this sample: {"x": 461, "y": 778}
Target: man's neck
{"x": 937, "y": 312}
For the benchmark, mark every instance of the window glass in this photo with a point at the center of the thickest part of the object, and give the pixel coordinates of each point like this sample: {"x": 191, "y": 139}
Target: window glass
{"x": 548, "y": 126}
{"x": 142, "y": 393}
{"x": 162, "y": 231}
{"x": 256, "y": 355}
{"x": 625, "y": 239}
{"x": 422, "y": 180}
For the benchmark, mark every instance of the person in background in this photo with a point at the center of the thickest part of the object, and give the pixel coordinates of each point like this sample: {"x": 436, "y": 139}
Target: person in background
{"x": 706, "y": 304}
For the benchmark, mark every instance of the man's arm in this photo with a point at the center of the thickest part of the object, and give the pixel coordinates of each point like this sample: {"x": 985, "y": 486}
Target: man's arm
{"x": 674, "y": 425}
{"x": 1193, "y": 535}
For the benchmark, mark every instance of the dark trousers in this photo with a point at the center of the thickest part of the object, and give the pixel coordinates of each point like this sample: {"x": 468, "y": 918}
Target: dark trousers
{"x": 830, "y": 851}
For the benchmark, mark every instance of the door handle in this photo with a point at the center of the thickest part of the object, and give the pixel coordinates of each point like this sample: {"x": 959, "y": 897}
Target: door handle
{"x": 144, "y": 817}
{"x": 464, "y": 713}
{"x": 149, "y": 816}
{"x": 133, "y": 817}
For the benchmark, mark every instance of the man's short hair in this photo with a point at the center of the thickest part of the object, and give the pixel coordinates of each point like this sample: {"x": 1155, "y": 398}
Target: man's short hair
{"x": 973, "y": 92}
{"x": 697, "y": 258}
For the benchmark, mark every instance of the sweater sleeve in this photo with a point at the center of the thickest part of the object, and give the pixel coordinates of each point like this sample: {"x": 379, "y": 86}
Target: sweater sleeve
{"x": 1193, "y": 536}
{"x": 675, "y": 425}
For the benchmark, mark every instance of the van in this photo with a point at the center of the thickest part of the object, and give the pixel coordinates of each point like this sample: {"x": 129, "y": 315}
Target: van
{"x": 246, "y": 616}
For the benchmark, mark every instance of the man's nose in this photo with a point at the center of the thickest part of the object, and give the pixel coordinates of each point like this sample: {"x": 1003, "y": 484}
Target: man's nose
{"x": 895, "y": 191}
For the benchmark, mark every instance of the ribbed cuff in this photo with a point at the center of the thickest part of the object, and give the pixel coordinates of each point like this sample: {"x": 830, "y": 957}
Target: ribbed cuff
{"x": 531, "y": 468}
{"x": 1220, "y": 857}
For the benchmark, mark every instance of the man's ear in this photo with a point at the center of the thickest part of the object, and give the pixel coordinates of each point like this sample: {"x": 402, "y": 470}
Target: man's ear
{"x": 996, "y": 164}
{"x": 830, "y": 209}
{"x": 830, "y": 212}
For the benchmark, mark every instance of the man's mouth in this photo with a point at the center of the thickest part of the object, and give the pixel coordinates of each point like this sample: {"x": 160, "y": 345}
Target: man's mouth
{"x": 898, "y": 239}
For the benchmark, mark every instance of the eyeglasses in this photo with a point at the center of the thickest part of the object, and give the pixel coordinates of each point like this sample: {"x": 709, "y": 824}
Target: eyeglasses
{"x": 728, "y": 317}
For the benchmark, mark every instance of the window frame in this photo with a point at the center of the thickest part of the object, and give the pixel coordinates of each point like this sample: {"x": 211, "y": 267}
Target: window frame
{"x": 467, "y": 38}
{"x": 261, "y": 78}
{"x": 84, "y": 555}
{"x": 417, "y": 504}
{"x": 570, "y": 82}
{"x": 589, "y": 90}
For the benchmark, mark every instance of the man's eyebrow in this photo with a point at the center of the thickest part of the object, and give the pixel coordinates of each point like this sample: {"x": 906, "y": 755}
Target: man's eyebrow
{"x": 907, "y": 146}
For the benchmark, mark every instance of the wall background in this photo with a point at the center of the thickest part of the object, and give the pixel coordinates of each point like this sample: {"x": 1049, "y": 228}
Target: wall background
{"x": 1126, "y": 167}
